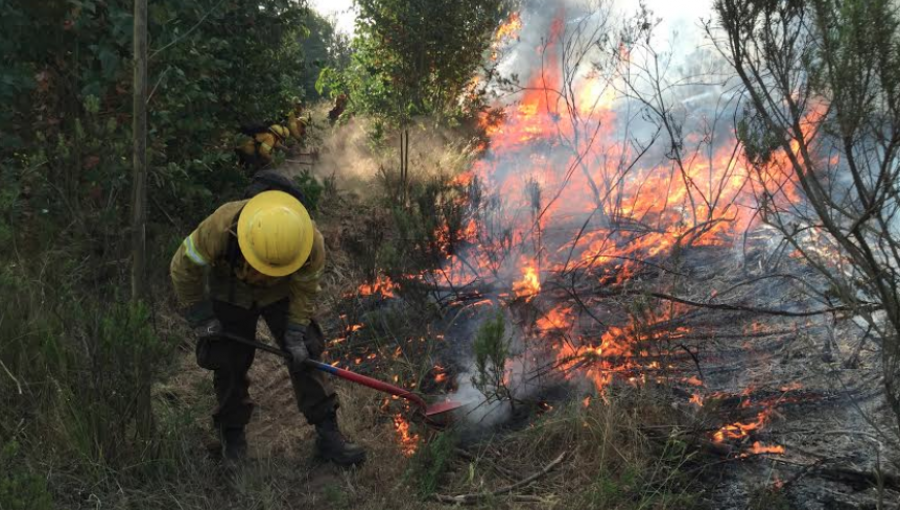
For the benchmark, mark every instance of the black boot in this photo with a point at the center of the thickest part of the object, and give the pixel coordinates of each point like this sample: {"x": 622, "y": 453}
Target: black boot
{"x": 331, "y": 445}
{"x": 234, "y": 443}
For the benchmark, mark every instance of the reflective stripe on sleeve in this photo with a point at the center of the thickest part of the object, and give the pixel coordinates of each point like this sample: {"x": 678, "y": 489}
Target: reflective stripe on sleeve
{"x": 192, "y": 252}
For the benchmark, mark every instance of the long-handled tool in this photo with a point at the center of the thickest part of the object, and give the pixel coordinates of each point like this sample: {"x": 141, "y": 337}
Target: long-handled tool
{"x": 430, "y": 413}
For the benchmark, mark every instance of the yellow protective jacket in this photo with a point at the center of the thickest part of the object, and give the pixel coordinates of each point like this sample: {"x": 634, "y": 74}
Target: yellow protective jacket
{"x": 203, "y": 258}
{"x": 262, "y": 144}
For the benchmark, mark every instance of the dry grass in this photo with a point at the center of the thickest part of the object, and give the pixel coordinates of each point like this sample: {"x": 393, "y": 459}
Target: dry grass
{"x": 610, "y": 462}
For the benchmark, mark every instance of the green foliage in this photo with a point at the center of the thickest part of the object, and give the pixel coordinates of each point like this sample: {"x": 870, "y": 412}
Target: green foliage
{"x": 611, "y": 490}
{"x": 430, "y": 464}
{"x": 65, "y": 107}
{"x": 491, "y": 350}
{"x": 414, "y": 58}
{"x": 106, "y": 406}
{"x": 20, "y": 489}
{"x": 759, "y": 143}
{"x": 83, "y": 369}
{"x": 336, "y": 496}
{"x": 324, "y": 48}
{"x": 311, "y": 187}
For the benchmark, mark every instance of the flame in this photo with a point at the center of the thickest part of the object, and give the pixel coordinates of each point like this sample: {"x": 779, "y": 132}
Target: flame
{"x": 558, "y": 318}
{"x": 740, "y": 430}
{"x": 561, "y": 190}
{"x": 440, "y": 374}
{"x": 509, "y": 28}
{"x": 796, "y": 385}
{"x": 529, "y": 286}
{"x": 758, "y": 449}
{"x": 699, "y": 204}
{"x": 409, "y": 441}
{"x": 382, "y": 285}
{"x": 693, "y": 381}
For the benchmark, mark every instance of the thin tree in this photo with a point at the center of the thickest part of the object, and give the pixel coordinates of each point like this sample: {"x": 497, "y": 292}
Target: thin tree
{"x": 139, "y": 154}
{"x": 822, "y": 82}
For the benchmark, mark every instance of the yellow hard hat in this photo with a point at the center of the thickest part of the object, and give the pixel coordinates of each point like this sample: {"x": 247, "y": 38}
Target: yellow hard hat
{"x": 275, "y": 233}
{"x": 280, "y": 131}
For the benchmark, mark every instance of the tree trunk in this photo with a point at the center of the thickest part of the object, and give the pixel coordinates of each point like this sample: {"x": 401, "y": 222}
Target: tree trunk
{"x": 139, "y": 155}
{"x": 406, "y": 169}
{"x": 144, "y": 411}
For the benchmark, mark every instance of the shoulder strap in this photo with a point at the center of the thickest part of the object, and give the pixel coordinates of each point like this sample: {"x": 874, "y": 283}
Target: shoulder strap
{"x": 233, "y": 254}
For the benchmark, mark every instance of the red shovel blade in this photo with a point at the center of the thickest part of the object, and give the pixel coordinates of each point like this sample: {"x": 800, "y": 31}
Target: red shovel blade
{"x": 439, "y": 414}
{"x": 442, "y": 407}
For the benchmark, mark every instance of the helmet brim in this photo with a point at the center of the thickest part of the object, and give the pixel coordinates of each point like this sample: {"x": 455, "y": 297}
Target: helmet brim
{"x": 263, "y": 201}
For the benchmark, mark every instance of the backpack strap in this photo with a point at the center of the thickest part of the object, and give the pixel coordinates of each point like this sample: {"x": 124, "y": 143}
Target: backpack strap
{"x": 233, "y": 254}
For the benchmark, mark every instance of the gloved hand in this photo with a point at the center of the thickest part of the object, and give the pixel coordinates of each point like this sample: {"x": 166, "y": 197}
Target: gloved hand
{"x": 295, "y": 344}
{"x": 203, "y": 321}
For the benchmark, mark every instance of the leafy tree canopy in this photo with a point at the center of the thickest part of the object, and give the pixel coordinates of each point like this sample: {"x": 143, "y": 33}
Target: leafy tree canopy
{"x": 65, "y": 102}
{"x": 414, "y": 57}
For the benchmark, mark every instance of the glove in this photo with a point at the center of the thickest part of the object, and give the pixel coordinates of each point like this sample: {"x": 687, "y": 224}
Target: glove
{"x": 203, "y": 321}
{"x": 295, "y": 345}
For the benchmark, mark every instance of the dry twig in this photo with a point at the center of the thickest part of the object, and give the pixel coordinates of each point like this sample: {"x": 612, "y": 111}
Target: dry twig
{"x": 468, "y": 499}
{"x": 11, "y": 376}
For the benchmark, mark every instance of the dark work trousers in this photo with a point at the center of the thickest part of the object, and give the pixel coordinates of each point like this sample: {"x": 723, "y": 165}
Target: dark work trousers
{"x": 230, "y": 362}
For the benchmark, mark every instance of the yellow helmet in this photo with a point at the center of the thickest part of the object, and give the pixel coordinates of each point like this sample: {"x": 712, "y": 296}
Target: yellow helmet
{"x": 275, "y": 233}
{"x": 279, "y": 131}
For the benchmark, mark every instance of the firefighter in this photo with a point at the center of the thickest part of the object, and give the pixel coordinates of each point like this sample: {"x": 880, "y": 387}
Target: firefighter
{"x": 340, "y": 104}
{"x": 297, "y": 125}
{"x": 260, "y": 257}
{"x": 258, "y": 149}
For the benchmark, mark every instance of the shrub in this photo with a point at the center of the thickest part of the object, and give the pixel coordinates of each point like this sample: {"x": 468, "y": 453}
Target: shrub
{"x": 311, "y": 187}
{"x": 431, "y": 462}
{"x": 80, "y": 369}
{"x": 20, "y": 489}
{"x": 491, "y": 348}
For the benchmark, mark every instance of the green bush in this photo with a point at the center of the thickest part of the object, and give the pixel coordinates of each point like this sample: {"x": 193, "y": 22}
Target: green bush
{"x": 311, "y": 187}
{"x": 65, "y": 114}
{"x": 80, "y": 373}
{"x": 20, "y": 489}
{"x": 491, "y": 349}
{"x": 431, "y": 462}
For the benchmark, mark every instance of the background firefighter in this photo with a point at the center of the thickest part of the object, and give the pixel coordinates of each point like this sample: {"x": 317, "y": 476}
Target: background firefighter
{"x": 261, "y": 257}
{"x": 258, "y": 150}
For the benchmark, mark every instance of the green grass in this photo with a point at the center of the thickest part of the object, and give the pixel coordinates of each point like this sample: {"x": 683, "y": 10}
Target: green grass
{"x": 431, "y": 463}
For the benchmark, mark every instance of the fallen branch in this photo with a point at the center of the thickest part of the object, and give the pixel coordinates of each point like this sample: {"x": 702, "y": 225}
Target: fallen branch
{"x": 751, "y": 309}
{"x": 860, "y": 479}
{"x": 11, "y": 376}
{"x": 468, "y": 499}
